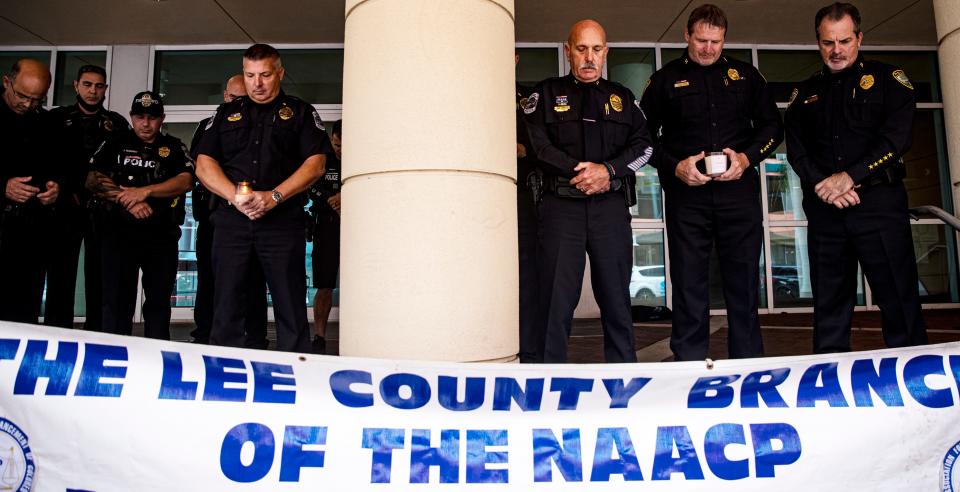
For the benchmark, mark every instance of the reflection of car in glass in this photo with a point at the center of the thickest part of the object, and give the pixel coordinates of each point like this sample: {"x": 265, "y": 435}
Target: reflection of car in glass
{"x": 647, "y": 282}
{"x": 786, "y": 282}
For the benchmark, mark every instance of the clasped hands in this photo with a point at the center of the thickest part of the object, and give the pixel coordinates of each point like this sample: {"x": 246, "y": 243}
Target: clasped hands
{"x": 688, "y": 173}
{"x": 18, "y": 190}
{"x": 256, "y": 204}
{"x": 838, "y": 190}
{"x": 591, "y": 178}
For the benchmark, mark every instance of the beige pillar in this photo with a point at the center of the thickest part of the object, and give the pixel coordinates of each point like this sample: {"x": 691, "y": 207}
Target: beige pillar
{"x": 429, "y": 227}
{"x": 948, "y": 34}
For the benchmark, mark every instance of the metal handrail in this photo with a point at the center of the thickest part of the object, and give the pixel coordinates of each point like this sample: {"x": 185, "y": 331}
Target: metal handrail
{"x": 937, "y": 212}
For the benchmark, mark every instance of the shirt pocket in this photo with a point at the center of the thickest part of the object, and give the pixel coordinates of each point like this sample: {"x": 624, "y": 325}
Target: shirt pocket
{"x": 563, "y": 126}
{"x": 865, "y": 109}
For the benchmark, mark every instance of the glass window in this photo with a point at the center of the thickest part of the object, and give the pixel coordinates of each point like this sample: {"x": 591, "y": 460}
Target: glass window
{"x": 68, "y": 62}
{"x": 928, "y": 181}
{"x": 631, "y": 67}
{"x": 648, "y": 282}
{"x": 936, "y": 263}
{"x": 784, "y": 196}
{"x": 536, "y": 64}
{"x": 316, "y": 76}
{"x": 194, "y": 77}
{"x": 649, "y": 204}
{"x": 185, "y": 290}
{"x": 784, "y": 69}
{"x": 667, "y": 55}
{"x": 8, "y": 58}
{"x": 790, "y": 269}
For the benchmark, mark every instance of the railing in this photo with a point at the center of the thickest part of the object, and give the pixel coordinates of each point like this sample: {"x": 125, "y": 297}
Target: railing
{"x": 937, "y": 212}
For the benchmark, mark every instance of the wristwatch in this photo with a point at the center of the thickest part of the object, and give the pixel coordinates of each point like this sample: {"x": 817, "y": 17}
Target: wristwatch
{"x": 277, "y": 196}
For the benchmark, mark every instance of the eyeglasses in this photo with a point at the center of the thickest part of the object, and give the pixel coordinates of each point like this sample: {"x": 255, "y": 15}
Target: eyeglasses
{"x": 34, "y": 101}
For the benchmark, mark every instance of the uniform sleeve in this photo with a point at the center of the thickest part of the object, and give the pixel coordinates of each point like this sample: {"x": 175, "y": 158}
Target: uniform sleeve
{"x": 652, "y": 105}
{"x": 209, "y": 143}
{"x": 768, "y": 127}
{"x": 548, "y": 154}
{"x": 895, "y": 133}
{"x": 313, "y": 137}
{"x": 639, "y": 148}
{"x": 797, "y": 154}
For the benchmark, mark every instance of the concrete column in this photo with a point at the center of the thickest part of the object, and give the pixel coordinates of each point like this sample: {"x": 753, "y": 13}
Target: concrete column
{"x": 948, "y": 34}
{"x": 429, "y": 228}
{"x": 129, "y": 74}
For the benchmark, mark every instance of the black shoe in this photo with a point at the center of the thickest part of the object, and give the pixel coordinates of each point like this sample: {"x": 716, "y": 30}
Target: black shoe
{"x": 319, "y": 345}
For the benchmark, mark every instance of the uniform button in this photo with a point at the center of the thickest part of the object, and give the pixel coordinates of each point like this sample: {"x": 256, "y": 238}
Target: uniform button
{"x": 255, "y": 161}
{"x": 836, "y": 137}
{"x": 257, "y": 142}
{"x": 713, "y": 124}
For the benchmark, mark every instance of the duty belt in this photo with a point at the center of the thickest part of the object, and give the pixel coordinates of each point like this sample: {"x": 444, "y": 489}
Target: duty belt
{"x": 561, "y": 187}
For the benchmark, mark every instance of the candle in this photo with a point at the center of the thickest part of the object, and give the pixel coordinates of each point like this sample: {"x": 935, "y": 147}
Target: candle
{"x": 244, "y": 192}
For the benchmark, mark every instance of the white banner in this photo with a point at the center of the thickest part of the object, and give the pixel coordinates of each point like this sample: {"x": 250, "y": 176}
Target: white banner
{"x": 92, "y": 412}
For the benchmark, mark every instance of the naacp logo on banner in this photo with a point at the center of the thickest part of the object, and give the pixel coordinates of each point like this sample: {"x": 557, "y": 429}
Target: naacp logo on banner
{"x": 16, "y": 461}
{"x": 950, "y": 476}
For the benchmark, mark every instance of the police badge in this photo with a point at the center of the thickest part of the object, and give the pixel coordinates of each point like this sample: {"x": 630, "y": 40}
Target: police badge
{"x": 616, "y": 103}
{"x": 285, "y": 113}
{"x": 163, "y": 151}
{"x": 733, "y": 74}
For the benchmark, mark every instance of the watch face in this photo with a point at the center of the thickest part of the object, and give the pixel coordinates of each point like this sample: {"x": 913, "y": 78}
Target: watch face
{"x": 277, "y": 196}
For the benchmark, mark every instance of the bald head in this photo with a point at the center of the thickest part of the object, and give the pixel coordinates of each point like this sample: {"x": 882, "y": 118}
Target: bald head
{"x": 586, "y": 49}
{"x": 25, "y": 87}
{"x": 234, "y": 88}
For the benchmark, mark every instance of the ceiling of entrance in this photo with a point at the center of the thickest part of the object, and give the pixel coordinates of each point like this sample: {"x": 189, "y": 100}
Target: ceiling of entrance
{"x": 107, "y": 22}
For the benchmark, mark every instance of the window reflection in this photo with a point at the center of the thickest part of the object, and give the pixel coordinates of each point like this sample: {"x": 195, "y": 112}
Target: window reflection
{"x": 536, "y": 64}
{"x": 648, "y": 282}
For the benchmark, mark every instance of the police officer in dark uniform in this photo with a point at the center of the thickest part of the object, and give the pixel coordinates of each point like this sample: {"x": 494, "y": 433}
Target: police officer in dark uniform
{"x": 81, "y": 128}
{"x": 30, "y": 172}
{"x": 848, "y": 127}
{"x": 531, "y": 331}
{"x": 139, "y": 179}
{"x": 699, "y": 104}
{"x": 325, "y": 233}
{"x": 256, "y": 328}
{"x": 276, "y": 143}
{"x": 590, "y": 138}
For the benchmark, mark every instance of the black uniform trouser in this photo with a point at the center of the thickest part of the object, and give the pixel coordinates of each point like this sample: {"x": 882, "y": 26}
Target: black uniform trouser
{"x": 729, "y": 215}
{"x": 875, "y": 233}
{"x": 531, "y": 332}
{"x": 24, "y": 256}
{"x": 256, "y": 316}
{"x": 70, "y": 226}
{"x": 277, "y": 242}
{"x": 125, "y": 251}
{"x": 599, "y": 226}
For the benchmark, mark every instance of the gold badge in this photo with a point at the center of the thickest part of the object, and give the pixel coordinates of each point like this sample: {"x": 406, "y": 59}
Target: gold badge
{"x": 561, "y": 109}
{"x": 866, "y": 82}
{"x": 108, "y": 125}
{"x": 234, "y": 117}
{"x": 682, "y": 83}
{"x": 616, "y": 103}
{"x": 793, "y": 96}
{"x": 733, "y": 74}
{"x": 286, "y": 113}
{"x": 163, "y": 151}
{"x": 902, "y": 78}
{"x": 146, "y": 100}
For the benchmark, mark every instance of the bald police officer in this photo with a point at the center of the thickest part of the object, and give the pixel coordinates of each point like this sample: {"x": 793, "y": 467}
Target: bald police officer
{"x": 276, "y": 143}
{"x": 139, "y": 179}
{"x": 848, "y": 128}
{"x": 590, "y": 138}
{"x": 29, "y": 170}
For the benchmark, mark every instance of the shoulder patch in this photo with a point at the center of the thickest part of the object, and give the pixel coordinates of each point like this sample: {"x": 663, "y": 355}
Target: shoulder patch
{"x": 793, "y": 96}
{"x": 902, "y": 78}
{"x": 317, "y": 121}
{"x": 530, "y": 104}
{"x": 209, "y": 124}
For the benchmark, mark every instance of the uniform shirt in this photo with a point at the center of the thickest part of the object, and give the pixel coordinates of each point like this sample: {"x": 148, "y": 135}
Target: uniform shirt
{"x": 325, "y": 187}
{"x": 569, "y": 122}
{"x": 131, "y": 162}
{"x": 527, "y": 164}
{"x": 706, "y": 109}
{"x": 264, "y": 144}
{"x": 27, "y": 150}
{"x": 200, "y": 194}
{"x": 859, "y": 120}
{"x": 80, "y": 135}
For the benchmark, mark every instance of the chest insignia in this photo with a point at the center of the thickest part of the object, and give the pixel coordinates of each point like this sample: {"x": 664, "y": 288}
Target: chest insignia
{"x": 733, "y": 74}
{"x": 616, "y": 103}
{"x": 812, "y": 99}
{"x": 682, "y": 83}
{"x": 866, "y": 82}
{"x": 235, "y": 117}
{"x": 285, "y": 113}
{"x": 163, "y": 151}
{"x": 561, "y": 104}
{"x": 108, "y": 125}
